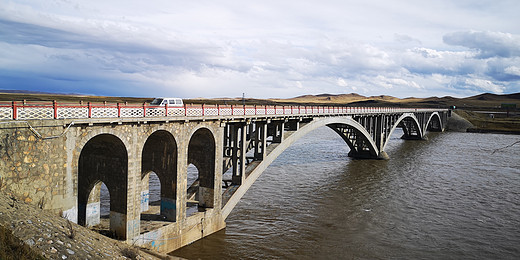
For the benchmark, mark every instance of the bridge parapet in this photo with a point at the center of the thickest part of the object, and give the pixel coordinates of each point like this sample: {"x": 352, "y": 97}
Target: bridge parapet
{"x": 54, "y": 110}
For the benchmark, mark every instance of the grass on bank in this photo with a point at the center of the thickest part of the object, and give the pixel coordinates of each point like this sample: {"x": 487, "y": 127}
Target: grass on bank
{"x": 485, "y": 122}
{"x": 13, "y": 248}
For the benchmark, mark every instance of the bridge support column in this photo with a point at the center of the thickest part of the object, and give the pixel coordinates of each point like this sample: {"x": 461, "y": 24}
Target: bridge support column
{"x": 260, "y": 140}
{"x": 275, "y": 129}
{"x": 182, "y": 182}
{"x": 379, "y": 132}
{"x": 238, "y": 155}
{"x": 292, "y": 125}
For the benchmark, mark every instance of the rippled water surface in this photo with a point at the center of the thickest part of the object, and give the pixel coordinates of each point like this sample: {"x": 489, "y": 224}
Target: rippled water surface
{"x": 451, "y": 197}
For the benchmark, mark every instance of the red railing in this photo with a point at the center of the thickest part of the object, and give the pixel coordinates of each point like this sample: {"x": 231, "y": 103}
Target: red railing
{"x": 54, "y": 110}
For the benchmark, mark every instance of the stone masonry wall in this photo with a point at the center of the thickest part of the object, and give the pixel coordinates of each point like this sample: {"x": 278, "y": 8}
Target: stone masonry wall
{"x": 41, "y": 166}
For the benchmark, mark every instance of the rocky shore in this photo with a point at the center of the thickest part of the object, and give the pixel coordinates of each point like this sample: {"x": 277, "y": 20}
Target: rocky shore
{"x": 458, "y": 123}
{"x": 54, "y": 237}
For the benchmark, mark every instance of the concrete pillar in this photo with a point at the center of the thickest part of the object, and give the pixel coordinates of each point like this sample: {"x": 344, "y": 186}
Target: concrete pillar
{"x": 242, "y": 147}
{"x": 227, "y": 136}
{"x": 219, "y": 158}
{"x": 238, "y": 158}
{"x": 130, "y": 221}
{"x": 145, "y": 193}
{"x": 379, "y": 132}
{"x": 278, "y": 129}
{"x": 182, "y": 176}
{"x": 260, "y": 140}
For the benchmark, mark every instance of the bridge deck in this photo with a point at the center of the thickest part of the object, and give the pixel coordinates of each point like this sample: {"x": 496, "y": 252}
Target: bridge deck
{"x": 131, "y": 113}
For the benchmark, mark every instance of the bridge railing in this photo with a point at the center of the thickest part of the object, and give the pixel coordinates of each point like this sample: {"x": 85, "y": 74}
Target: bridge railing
{"x": 54, "y": 110}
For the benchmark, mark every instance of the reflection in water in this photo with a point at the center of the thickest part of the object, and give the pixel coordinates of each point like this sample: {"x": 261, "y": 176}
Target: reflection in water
{"x": 445, "y": 198}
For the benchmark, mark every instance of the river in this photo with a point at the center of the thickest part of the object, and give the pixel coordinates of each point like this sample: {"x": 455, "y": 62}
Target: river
{"x": 453, "y": 196}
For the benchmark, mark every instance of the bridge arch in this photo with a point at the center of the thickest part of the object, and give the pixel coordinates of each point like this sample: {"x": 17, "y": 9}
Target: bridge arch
{"x": 407, "y": 121}
{"x": 104, "y": 158}
{"x": 287, "y": 142}
{"x": 201, "y": 153}
{"x": 357, "y": 138}
{"x": 159, "y": 155}
{"x": 434, "y": 122}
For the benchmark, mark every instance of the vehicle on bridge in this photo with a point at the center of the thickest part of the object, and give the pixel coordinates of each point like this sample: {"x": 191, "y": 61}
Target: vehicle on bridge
{"x": 172, "y": 102}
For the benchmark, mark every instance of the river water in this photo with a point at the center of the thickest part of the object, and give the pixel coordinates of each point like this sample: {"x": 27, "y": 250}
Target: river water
{"x": 451, "y": 197}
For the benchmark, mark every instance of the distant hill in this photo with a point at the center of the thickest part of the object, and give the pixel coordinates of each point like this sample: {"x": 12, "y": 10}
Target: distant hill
{"x": 494, "y": 97}
{"x": 485, "y": 100}
{"x": 332, "y": 98}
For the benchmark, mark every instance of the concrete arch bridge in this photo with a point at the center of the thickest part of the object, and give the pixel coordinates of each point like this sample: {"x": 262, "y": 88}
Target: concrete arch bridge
{"x": 57, "y": 156}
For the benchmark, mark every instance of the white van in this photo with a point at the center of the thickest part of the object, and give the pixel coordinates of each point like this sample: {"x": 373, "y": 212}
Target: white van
{"x": 172, "y": 102}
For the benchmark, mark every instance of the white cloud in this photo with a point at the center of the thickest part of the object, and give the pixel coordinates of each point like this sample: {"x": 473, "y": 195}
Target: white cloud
{"x": 390, "y": 83}
{"x": 484, "y": 85}
{"x": 513, "y": 70}
{"x": 263, "y": 48}
{"x": 342, "y": 83}
{"x": 488, "y": 44}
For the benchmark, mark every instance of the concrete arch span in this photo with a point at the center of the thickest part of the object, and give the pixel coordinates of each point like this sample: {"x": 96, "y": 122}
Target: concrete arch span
{"x": 434, "y": 123}
{"x": 359, "y": 140}
{"x": 253, "y": 175}
{"x": 410, "y": 125}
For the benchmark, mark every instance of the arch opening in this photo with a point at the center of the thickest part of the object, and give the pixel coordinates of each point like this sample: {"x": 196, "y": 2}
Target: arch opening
{"x": 360, "y": 143}
{"x": 201, "y": 153}
{"x": 434, "y": 123}
{"x": 159, "y": 177}
{"x": 103, "y": 160}
{"x": 150, "y": 200}
{"x": 411, "y": 128}
{"x": 98, "y": 205}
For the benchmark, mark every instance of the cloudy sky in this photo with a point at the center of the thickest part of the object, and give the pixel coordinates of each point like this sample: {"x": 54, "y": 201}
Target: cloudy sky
{"x": 261, "y": 48}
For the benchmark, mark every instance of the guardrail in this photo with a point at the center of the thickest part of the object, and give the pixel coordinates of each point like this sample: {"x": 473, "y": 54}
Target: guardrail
{"x": 54, "y": 110}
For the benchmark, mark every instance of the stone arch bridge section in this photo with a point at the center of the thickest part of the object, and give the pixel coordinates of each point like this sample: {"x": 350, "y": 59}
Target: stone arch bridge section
{"x": 60, "y": 164}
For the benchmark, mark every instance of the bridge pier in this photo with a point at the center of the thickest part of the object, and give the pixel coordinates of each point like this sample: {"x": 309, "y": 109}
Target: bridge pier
{"x": 369, "y": 156}
{"x": 413, "y": 137}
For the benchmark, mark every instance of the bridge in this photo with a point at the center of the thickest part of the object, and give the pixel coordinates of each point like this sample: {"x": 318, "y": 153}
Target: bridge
{"x": 57, "y": 156}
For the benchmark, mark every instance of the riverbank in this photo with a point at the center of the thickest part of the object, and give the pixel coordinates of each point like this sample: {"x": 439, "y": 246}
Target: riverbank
{"x": 51, "y": 237}
{"x": 457, "y": 123}
{"x": 489, "y": 123}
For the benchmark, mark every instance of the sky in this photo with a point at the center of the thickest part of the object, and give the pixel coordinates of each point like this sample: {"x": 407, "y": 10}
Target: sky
{"x": 261, "y": 48}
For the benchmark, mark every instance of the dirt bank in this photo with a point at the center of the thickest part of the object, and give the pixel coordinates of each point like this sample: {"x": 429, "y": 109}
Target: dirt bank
{"x": 456, "y": 123}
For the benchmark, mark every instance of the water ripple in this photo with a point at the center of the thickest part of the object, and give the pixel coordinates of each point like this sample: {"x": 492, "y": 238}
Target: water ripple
{"x": 446, "y": 198}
